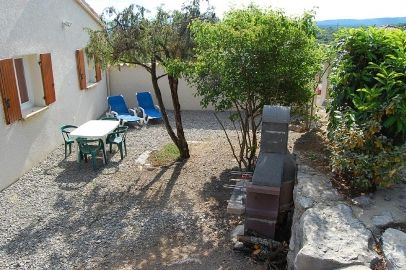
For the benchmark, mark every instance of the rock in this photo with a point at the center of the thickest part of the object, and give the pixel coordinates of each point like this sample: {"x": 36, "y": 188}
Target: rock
{"x": 186, "y": 261}
{"x": 328, "y": 239}
{"x": 238, "y": 230}
{"x": 150, "y": 168}
{"x": 312, "y": 189}
{"x": 362, "y": 201}
{"x": 382, "y": 220}
{"x": 142, "y": 159}
{"x": 314, "y": 186}
{"x": 297, "y": 128}
{"x": 355, "y": 267}
{"x": 240, "y": 247}
{"x": 236, "y": 205}
{"x": 304, "y": 202}
{"x": 394, "y": 248}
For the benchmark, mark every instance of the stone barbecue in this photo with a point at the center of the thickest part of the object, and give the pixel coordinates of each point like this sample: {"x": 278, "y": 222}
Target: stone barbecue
{"x": 269, "y": 196}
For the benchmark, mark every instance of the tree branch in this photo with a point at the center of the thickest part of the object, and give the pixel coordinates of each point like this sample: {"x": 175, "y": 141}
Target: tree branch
{"x": 229, "y": 141}
{"x": 161, "y": 76}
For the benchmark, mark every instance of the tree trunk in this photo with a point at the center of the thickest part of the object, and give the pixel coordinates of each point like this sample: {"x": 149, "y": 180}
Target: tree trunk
{"x": 182, "y": 143}
{"x": 158, "y": 94}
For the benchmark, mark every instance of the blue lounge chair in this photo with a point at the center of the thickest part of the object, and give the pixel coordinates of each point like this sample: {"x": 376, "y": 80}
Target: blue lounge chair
{"x": 119, "y": 109}
{"x": 146, "y": 104}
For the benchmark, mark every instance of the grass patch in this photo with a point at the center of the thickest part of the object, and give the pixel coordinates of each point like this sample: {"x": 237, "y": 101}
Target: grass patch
{"x": 167, "y": 154}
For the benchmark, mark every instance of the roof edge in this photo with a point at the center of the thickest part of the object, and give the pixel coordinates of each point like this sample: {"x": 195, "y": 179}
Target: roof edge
{"x": 90, "y": 11}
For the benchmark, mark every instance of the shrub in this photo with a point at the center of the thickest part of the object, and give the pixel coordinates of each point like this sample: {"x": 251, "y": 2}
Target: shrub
{"x": 367, "y": 125}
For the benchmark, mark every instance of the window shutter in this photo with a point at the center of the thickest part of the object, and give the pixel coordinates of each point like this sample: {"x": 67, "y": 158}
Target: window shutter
{"x": 47, "y": 78}
{"x": 98, "y": 72}
{"x": 80, "y": 60}
{"x": 9, "y": 91}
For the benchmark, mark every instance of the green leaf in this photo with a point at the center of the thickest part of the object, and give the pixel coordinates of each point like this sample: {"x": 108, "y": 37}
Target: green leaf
{"x": 389, "y": 122}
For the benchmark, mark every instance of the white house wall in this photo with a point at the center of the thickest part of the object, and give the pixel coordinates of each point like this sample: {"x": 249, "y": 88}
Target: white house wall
{"x": 127, "y": 80}
{"x": 324, "y": 85}
{"x": 34, "y": 27}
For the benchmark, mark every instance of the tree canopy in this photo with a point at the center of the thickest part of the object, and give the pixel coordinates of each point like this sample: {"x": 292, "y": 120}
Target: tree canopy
{"x": 251, "y": 58}
{"x": 255, "y": 53}
{"x": 132, "y": 37}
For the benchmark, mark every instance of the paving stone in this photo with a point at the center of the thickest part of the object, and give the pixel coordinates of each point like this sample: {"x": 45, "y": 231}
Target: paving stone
{"x": 382, "y": 220}
{"x": 363, "y": 201}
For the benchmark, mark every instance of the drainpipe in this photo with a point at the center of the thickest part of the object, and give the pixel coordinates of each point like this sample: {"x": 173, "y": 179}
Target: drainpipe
{"x": 108, "y": 87}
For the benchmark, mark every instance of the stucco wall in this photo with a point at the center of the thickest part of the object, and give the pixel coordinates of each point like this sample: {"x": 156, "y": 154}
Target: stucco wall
{"x": 33, "y": 27}
{"x": 324, "y": 85}
{"x": 127, "y": 80}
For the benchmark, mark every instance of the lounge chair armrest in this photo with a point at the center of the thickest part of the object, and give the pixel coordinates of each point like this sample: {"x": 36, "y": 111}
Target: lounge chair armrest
{"x": 133, "y": 111}
{"x": 142, "y": 111}
{"x": 114, "y": 113}
{"x": 144, "y": 116}
{"x": 156, "y": 106}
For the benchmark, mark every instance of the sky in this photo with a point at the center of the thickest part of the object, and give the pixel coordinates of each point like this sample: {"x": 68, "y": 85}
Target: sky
{"x": 325, "y": 9}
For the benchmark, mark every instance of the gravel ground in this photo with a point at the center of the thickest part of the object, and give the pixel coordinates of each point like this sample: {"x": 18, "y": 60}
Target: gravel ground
{"x": 62, "y": 215}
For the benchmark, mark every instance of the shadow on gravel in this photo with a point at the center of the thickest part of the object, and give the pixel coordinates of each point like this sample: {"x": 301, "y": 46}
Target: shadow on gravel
{"x": 71, "y": 175}
{"x": 219, "y": 190}
{"x": 110, "y": 229}
{"x": 172, "y": 217}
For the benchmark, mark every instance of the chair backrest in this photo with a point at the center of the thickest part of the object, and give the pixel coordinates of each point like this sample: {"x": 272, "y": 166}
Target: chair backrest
{"x": 120, "y": 131}
{"x": 111, "y": 118}
{"x": 117, "y": 104}
{"x": 144, "y": 100}
{"x": 87, "y": 145}
{"x": 66, "y": 130}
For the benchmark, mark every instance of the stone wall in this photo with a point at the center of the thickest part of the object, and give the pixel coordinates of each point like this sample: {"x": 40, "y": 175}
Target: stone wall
{"x": 329, "y": 232}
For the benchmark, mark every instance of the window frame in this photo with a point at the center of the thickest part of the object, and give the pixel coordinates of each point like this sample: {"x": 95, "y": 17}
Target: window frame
{"x": 82, "y": 61}
{"x": 14, "y": 108}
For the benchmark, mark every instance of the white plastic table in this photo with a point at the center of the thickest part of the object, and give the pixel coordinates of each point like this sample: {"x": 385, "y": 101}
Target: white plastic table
{"x": 95, "y": 129}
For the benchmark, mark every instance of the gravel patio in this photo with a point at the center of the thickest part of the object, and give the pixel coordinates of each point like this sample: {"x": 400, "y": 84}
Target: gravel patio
{"x": 62, "y": 215}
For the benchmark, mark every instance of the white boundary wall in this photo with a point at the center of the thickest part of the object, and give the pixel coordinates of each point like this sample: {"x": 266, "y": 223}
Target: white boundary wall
{"x": 127, "y": 80}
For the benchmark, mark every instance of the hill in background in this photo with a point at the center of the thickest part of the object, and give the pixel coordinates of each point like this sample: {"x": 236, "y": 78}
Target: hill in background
{"x": 329, "y": 27}
{"x": 362, "y": 22}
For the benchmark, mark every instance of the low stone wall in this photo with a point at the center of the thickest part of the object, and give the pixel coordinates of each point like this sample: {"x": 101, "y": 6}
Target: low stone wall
{"x": 329, "y": 232}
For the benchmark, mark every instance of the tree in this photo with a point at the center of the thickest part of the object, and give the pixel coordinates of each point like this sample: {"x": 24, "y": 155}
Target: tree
{"x": 251, "y": 58}
{"x": 165, "y": 39}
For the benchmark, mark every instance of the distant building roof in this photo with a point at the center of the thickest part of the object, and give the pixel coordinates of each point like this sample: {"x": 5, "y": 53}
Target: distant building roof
{"x": 401, "y": 27}
{"x": 90, "y": 11}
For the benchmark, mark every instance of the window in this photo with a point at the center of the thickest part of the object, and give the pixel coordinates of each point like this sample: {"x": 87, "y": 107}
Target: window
{"x": 26, "y": 85}
{"x": 29, "y": 82}
{"x": 90, "y": 68}
{"x": 89, "y": 72}
{"x": 22, "y": 85}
